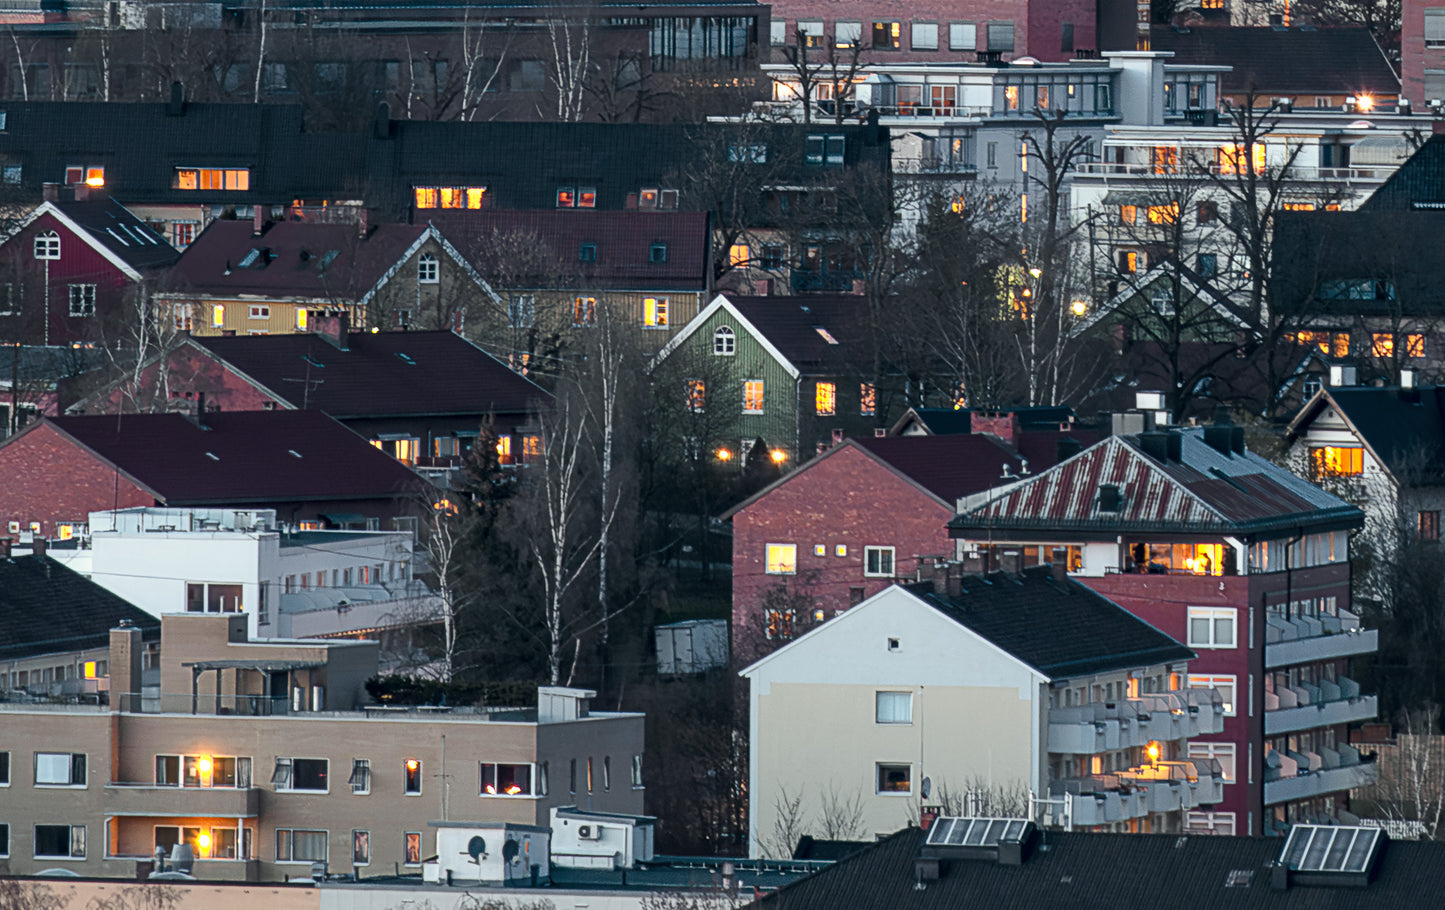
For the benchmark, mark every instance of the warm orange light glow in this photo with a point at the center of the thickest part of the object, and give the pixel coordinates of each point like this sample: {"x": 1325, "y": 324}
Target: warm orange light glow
{"x": 95, "y": 181}
{"x": 513, "y": 790}
{"x": 491, "y": 789}
{"x": 412, "y": 764}
{"x": 1153, "y": 751}
{"x": 779, "y": 456}
{"x": 203, "y": 841}
{"x": 1365, "y": 102}
{"x": 724, "y": 455}
{"x": 204, "y": 764}
{"x": 1080, "y": 307}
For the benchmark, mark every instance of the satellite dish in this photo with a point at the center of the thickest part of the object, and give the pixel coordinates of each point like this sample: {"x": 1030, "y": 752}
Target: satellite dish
{"x": 510, "y": 850}
{"x": 476, "y": 848}
{"x": 927, "y": 788}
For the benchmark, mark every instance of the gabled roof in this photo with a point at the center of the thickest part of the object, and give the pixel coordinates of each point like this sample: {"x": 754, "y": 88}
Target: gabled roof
{"x": 722, "y": 303}
{"x": 241, "y": 456}
{"x": 1280, "y": 61}
{"x": 1062, "y": 629}
{"x": 949, "y": 467}
{"x": 290, "y": 259}
{"x": 1059, "y": 629}
{"x": 1394, "y": 257}
{"x": 941, "y": 421}
{"x": 815, "y": 334}
{"x": 621, "y": 244}
{"x": 113, "y": 231}
{"x": 1090, "y": 871}
{"x": 1194, "y": 286}
{"x": 380, "y": 374}
{"x": 46, "y": 608}
{"x": 1403, "y": 428}
{"x": 1203, "y": 492}
{"x": 1419, "y": 183}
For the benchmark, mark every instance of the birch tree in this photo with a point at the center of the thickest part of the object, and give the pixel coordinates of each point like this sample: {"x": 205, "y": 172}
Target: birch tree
{"x": 569, "y": 64}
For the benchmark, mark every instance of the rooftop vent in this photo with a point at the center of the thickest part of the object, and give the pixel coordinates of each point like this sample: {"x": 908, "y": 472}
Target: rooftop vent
{"x": 1110, "y": 499}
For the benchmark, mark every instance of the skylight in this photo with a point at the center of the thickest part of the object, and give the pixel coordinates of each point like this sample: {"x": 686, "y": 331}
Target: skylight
{"x": 827, "y": 335}
{"x": 406, "y": 358}
{"x": 250, "y": 258}
{"x": 1330, "y": 848}
{"x": 977, "y": 832}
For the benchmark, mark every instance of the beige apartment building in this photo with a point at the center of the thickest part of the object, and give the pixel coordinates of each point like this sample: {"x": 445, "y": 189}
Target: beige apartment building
{"x": 266, "y": 757}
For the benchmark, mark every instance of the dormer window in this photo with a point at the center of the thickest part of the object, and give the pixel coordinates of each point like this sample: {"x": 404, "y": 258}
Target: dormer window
{"x": 47, "y": 245}
{"x": 587, "y": 253}
{"x": 90, "y": 175}
{"x": 428, "y": 270}
{"x": 657, "y": 252}
{"x": 192, "y": 178}
{"x": 581, "y": 197}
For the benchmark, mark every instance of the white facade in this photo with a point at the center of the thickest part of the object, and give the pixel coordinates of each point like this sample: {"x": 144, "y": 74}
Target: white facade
{"x": 309, "y": 583}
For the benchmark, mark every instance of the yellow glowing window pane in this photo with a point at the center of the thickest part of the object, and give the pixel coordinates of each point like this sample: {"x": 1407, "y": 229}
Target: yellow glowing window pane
{"x": 738, "y": 255}
{"x": 426, "y": 197}
{"x": 218, "y": 315}
{"x": 1336, "y": 461}
{"x": 753, "y": 395}
{"x": 1340, "y": 347}
{"x": 867, "y": 399}
{"x": 95, "y": 176}
{"x": 1298, "y": 206}
{"x": 90, "y": 669}
{"x": 1414, "y": 345}
{"x": 531, "y": 446}
{"x": 1011, "y": 97}
{"x": 1166, "y": 159}
{"x": 301, "y": 318}
{"x": 958, "y": 205}
{"x": 238, "y": 180}
{"x": 186, "y": 180}
{"x": 451, "y": 197}
{"x": 1164, "y": 214}
{"x": 654, "y": 313}
{"x": 1382, "y": 344}
{"x": 696, "y": 395}
{"x": 474, "y": 196}
{"x": 1128, "y": 214}
{"x": 825, "y": 399}
{"x": 504, "y": 448}
{"x": 782, "y": 559}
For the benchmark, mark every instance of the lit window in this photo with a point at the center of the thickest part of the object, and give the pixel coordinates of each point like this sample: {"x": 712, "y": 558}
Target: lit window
{"x": 647, "y": 199}
{"x": 724, "y": 342}
{"x": 566, "y": 197}
{"x": 738, "y": 255}
{"x": 1414, "y": 345}
{"x": 1382, "y": 344}
{"x": 531, "y": 448}
{"x": 825, "y": 399}
{"x": 428, "y": 270}
{"x": 587, "y": 198}
{"x": 1225, "y": 684}
{"x": 1164, "y": 214}
{"x": 782, "y": 559}
{"x": 894, "y": 779}
{"x": 427, "y": 197}
{"x": 887, "y": 35}
{"x": 1166, "y": 159}
{"x": 506, "y": 779}
{"x": 504, "y": 450}
{"x": 1428, "y": 525}
{"x": 752, "y": 396}
{"x": 867, "y": 399}
{"x": 47, "y": 245}
{"x": 696, "y": 395}
{"x": 235, "y": 179}
{"x": 1128, "y": 214}
{"x": 218, "y": 315}
{"x": 654, "y": 312}
{"x": 584, "y": 311}
{"x": 894, "y": 708}
{"x": 411, "y": 855}
{"x": 411, "y": 770}
{"x": 878, "y": 562}
{"x": 1224, "y": 753}
{"x": 1211, "y": 627}
{"x": 90, "y": 669}
{"x": 303, "y": 318}
{"x": 1297, "y": 206}
{"x": 1336, "y": 461}
{"x": 779, "y": 623}
{"x": 95, "y": 176}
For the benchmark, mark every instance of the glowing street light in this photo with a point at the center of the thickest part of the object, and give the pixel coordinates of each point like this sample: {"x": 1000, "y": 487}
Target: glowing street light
{"x": 723, "y": 455}
{"x": 1079, "y": 307}
{"x": 779, "y": 456}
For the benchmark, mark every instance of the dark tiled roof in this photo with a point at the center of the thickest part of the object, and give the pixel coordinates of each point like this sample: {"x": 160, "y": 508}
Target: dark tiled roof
{"x": 1418, "y": 183}
{"x": 114, "y": 227}
{"x": 253, "y": 457}
{"x": 45, "y": 608}
{"x": 1403, "y": 247}
{"x": 622, "y": 242}
{"x": 1060, "y": 629}
{"x": 293, "y": 259}
{"x": 1083, "y": 871}
{"x": 382, "y": 374}
{"x": 947, "y": 466}
{"x": 1203, "y": 492}
{"x": 810, "y": 847}
{"x": 1297, "y": 61}
{"x": 791, "y": 325}
{"x": 1406, "y": 429}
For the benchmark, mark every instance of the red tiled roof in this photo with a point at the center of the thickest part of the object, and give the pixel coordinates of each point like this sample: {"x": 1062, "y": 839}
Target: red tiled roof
{"x": 293, "y": 259}
{"x": 381, "y": 374}
{"x": 623, "y": 242}
{"x": 949, "y": 467}
{"x": 244, "y": 456}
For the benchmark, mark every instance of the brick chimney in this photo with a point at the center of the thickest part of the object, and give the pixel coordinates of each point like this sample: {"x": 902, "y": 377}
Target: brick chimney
{"x": 258, "y": 220}
{"x": 1003, "y": 424}
{"x": 126, "y": 648}
{"x": 50, "y": 192}
{"x": 332, "y": 327}
{"x": 5, "y": 544}
{"x": 37, "y": 546}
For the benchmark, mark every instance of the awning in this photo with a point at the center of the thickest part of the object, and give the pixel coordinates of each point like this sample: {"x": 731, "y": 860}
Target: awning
{"x": 261, "y": 666}
{"x": 1379, "y": 151}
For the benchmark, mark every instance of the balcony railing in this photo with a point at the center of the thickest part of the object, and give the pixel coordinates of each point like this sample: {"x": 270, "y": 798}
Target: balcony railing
{"x": 187, "y": 802}
{"x": 1303, "y": 775}
{"x": 1305, "y": 639}
{"x": 1303, "y": 707}
{"x": 1134, "y": 722}
{"x": 1166, "y": 786}
{"x": 834, "y": 280}
{"x": 929, "y": 110}
{"x": 933, "y": 165}
{"x": 1145, "y": 169}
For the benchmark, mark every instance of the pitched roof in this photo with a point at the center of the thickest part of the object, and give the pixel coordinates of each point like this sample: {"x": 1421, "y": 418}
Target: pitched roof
{"x": 115, "y": 231}
{"x": 380, "y": 374}
{"x": 1278, "y": 61}
{"x": 816, "y": 334}
{"x": 1405, "y": 428}
{"x": 46, "y": 608}
{"x": 1419, "y": 183}
{"x": 242, "y": 456}
{"x": 300, "y": 259}
{"x": 940, "y": 421}
{"x": 1392, "y": 259}
{"x": 1204, "y": 491}
{"x": 1087, "y": 871}
{"x": 621, "y": 244}
{"x": 1061, "y": 629}
{"x": 949, "y": 467}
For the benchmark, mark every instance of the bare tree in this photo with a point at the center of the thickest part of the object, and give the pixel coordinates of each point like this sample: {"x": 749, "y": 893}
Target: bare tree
{"x": 147, "y": 896}
{"x": 21, "y": 895}
{"x": 569, "y": 64}
{"x": 1411, "y": 786}
{"x": 789, "y": 823}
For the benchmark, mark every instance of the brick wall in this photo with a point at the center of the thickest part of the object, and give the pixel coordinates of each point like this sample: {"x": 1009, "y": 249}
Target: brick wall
{"x": 50, "y": 479}
{"x": 1415, "y": 57}
{"x": 842, "y": 499}
{"x": 189, "y": 374}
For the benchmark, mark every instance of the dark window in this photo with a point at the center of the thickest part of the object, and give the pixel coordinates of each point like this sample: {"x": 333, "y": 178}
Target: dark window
{"x": 657, "y": 253}
{"x": 1208, "y": 212}
{"x": 4, "y": 768}
{"x": 1066, "y": 37}
{"x": 308, "y": 774}
{"x": 1208, "y": 265}
{"x": 1430, "y": 525}
{"x": 1001, "y": 37}
{"x": 587, "y": 253}
{"x": 4, "y": 840}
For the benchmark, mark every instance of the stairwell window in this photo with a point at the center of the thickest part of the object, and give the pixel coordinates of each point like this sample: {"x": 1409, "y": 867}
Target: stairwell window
{"x": 1212, "y": 627}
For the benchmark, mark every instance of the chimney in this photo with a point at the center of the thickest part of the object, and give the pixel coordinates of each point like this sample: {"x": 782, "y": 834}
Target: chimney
{"x": 1060, "y": 564}
{"x": 332, "y": 327}
{"x": 1003, "y": 424}
{"x": 37, "y": 546}
{"x": 177, "y": 105}
{"x": 1161, "y": 445}
{"x": 1011, "y": 561}
{"x": 973, "y": 562}
{"x": 5, "y": 544}
{"x": 381, "y": 124}
{"x": 258, "y": 220}
{"x": 954, "y": 582}
{"x": 126, "y": 648}
{"x": 50, "y": 192}
{"x": 1220, "y": 438}
{"x": 940, "y": 578}
{"x": 362, "y": 228}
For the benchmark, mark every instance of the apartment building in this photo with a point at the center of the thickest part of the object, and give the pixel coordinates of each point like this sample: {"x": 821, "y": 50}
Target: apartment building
{"x": 1245, "y": 563}
{"x": 266, "y": 757}
{"x": 1001, "y": 689}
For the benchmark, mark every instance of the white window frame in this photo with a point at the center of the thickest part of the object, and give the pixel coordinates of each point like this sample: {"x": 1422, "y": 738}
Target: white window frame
{"x": 291, "y": 846}
{"x": 1213, "y": 615}
{"x": 892, "y": 561}
{"x": 724, "y": 341}
{"x": 5, "y": 780}
{"x": 894, "y": 717}
{"x": 778, "y": 32}
{"x": 1219, "y": 752}
{"x": 917, "y": 29}
{"x": 72, "y": 855}
{"x": 354, "y": 860}
{"x": 531, "y": 780}
{"x": 47, "y": 245}
{"x": 877, "y": 775}
{"x": 259, "y": 312}
{"x": 362, "y": 765}
{"x": 1231, "y": 703}
{"x": 1214, "y": 822}
{"x": 4, "y": 840}
{"x": 289, "y": 763}
{"x": 763, "y": 388}
{"x": 405, "y": 773}
{"x": 69, "y": 782}
{"x": 428, "y": 269}
{"x": 655, "y": 312}
{"x": 963, "y": 36}
{"x": 1434, "y": 26}
{"x": 86, "y": 301}
{"x": 768, "y": 560}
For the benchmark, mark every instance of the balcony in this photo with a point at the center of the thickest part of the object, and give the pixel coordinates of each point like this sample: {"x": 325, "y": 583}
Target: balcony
{"x": 1297, "y": 776}
{"x": 1148, "y": 169}
{"x": 911, "y": 111}
{"x": 1305, "y": 639}
{"x": 1166, "y": 786}
{"x": 1084, "y": 730}
{"x": 211, "y": 870}
{"x": 197, "y": 802}
{"x": 936, "y": 166}
{"x": 1304, "y": 707}
{"x": 1098, "y": 799}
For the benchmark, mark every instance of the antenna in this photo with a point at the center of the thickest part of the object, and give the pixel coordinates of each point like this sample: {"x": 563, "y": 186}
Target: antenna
{"x": 476, "y": 849}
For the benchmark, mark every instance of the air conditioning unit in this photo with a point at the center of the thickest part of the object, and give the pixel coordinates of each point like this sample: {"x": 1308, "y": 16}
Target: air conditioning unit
{"x": 589, "y": 832}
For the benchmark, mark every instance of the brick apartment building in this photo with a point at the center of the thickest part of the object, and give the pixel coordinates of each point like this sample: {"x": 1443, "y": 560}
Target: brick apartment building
{"x": 1242, "y": 561}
